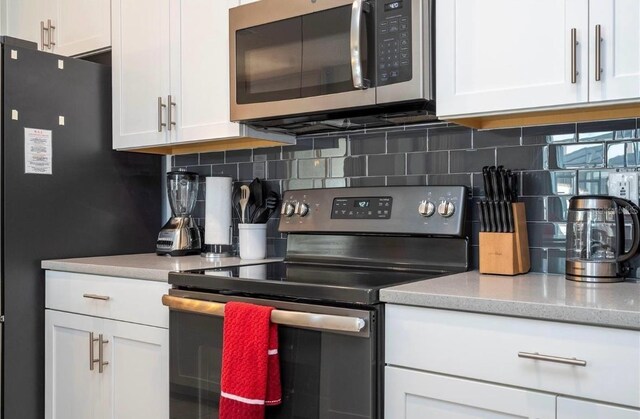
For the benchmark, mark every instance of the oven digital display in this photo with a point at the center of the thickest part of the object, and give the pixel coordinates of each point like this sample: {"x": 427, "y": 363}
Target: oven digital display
{"x": 370, "y": 208}
{"x": 396, "y": 5}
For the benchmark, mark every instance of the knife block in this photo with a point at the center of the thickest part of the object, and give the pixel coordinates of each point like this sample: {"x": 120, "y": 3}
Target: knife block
{"x": 507, "y": 253}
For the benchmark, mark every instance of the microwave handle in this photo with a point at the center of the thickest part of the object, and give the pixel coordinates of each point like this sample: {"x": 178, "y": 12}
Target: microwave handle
{"x": 633, "y": 210}
{"x": 359, "y": 82}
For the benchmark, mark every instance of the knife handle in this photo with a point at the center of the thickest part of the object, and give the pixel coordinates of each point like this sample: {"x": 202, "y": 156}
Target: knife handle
{"x": 483, "y": 225}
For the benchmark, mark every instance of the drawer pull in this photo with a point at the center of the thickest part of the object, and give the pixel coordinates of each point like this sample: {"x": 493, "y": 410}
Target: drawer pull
{"x": 549, "y": 358}
{"x": 97, "y": 297}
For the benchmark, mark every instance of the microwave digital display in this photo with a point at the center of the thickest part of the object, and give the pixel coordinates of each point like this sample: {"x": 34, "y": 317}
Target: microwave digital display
{"x": 388, "y": 7}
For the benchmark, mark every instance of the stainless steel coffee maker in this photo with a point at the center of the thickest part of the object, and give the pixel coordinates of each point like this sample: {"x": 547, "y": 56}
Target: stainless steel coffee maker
{"x": 180, "y": 235}
{"x": 596, "y": 240}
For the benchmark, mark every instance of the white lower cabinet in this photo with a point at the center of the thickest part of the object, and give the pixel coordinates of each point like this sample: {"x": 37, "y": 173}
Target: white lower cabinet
{"x": 581, "y": 409}
{"x": 418, "y": 395}
{"x": 456, "y": 365}
{"x": 98, "y": 366}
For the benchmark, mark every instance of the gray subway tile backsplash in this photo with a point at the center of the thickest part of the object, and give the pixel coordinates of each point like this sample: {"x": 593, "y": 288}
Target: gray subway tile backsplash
{"x": 553, "y": 163}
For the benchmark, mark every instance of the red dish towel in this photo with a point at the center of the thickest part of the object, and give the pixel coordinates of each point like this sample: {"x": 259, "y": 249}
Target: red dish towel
{"x": 250, "y": 362}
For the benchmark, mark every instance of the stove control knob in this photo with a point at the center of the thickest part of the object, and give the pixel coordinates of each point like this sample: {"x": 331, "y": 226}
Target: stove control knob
{"x": 288, "y": 209}
{"x": 426, "y": 208}
{"x": 446, "y": 209}
{"x": 303, "y": 209}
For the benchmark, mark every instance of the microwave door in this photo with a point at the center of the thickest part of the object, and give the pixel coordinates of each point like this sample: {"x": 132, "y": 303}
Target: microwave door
{"x": 319, "y": 60}
{"x": 404, "y": 55}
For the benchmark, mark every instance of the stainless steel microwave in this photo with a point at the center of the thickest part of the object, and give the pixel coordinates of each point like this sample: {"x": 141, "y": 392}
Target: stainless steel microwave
{"x": 294, "y": 63}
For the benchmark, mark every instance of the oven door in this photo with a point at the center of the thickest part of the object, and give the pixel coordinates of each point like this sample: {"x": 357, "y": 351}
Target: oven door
{"x": 295, "y": 57}
{"x": 326, "y": 372}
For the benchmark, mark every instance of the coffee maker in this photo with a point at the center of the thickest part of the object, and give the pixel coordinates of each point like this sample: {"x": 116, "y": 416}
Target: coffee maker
{"x": 180, "y": 235}
{"x": 596, "y": 238}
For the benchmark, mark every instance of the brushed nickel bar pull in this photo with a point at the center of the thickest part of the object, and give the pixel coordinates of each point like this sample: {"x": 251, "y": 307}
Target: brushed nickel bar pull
{"x": 97, "y": 297}
{"x": 548, "y": 358}
{"x": 359, "y": 82}
{"x": 160, "y": 106}
{"x": 598, "y": 52}
{"x": 574, "y": 54}
{"x": 170, "y": 121}
{"x": 92, "y": 360}
{"x": 286, "y": 318}
{"x": 50, "y": 32}
{"x": 41, "y": 35}
{"x": 101, "y": 363}
{"x": 42, "y": 31}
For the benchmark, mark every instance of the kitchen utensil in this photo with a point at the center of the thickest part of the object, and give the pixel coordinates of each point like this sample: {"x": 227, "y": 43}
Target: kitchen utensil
{"x": 506, "y": 200}
{"x": 495, "y": 199}
{"x": 235, "y": 200}
{"x": 255, "y": 202}
{"x": 180, "y": 235}
{"x": 596, "y": 238}
{"x": 488, "y": 207}
{"x": 271, "y": 203}
{"x": 245, "y": 194}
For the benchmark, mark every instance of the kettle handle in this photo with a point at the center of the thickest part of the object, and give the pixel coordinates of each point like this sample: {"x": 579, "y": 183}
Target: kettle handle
{"x": 633, "y": 210}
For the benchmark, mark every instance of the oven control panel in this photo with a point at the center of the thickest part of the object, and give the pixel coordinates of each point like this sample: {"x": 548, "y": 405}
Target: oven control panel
{"x": 373, "y": 208}
{"x": 422, "y": 210}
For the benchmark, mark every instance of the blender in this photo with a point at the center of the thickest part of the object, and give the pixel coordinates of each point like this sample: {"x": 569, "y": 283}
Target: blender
{"x": 180, "y": 235}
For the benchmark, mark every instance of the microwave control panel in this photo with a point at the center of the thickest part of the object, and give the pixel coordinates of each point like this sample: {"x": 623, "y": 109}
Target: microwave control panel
{"x": 393, "y": 30}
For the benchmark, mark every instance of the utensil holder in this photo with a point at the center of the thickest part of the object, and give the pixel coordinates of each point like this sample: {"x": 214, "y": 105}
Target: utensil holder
{"x": 253, "y": 241}
{"x": 507, "y": 253}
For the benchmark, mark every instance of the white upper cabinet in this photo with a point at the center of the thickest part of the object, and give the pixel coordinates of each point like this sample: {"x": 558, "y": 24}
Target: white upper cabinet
{"x": 66, "y": 27}
{"x": 582, "y": 409}
{"x": 140, "y": 72}
{"x": 618, "y": 52}
{"x": 27, "y": 19}
{"x": 81, "y": 26}
{"x": 200, "y": 70}
{"x": 500, "y": 55}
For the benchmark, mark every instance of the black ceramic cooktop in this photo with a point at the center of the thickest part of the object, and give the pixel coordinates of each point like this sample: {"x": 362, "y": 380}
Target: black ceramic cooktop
{"x": 298, "y": 281}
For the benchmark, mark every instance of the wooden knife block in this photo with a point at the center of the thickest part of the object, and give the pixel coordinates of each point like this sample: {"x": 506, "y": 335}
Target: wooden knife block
{"x": 507, "y": 253}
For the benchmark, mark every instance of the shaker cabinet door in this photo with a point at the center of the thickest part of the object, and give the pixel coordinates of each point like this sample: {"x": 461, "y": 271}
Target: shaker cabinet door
{"x": 72, "y": 389}
{"x": 81, "y": 26}
{"x": 200, "y": 70}
{"x": 582, "y": 409}
{"x": 141, "y": 72}
{"x": 616, "y": 54}
{"x": 411, "y": 394}
{"x": 503, "y": 55}
{"x": 138, "y": 370}
{"x": 23, "y": 20}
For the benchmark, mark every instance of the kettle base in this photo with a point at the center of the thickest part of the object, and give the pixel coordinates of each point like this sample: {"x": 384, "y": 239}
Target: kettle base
{"x": 593, "y": 272}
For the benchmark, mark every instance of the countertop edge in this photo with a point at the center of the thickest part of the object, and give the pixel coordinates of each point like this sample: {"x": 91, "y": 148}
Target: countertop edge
{"x": 537, "y": 311}
{"x": 147, "y": 274}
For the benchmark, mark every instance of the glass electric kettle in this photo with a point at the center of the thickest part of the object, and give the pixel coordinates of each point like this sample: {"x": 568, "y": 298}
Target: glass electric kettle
{"x": 596, "y": 238}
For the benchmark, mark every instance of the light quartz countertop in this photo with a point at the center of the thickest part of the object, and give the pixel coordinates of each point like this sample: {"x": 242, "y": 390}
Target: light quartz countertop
{"x": 147, "y": 266}
{"x": 537, "y": 296}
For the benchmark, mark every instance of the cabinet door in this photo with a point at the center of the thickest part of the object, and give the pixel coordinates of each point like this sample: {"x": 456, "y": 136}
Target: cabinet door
{"x": 412, "y": 394}
{"x": 81, "y": 26}
{"x": 580, "y": 409}
{"x": 200, "y": 70}
{"x": 138, "y": 370}
{"x": 24, "y": 17}
{"x": 501, "y": 55}
{"x": 141, "y": 72}
{"x": 72, "y": 390}
{"x": 619, "y": 50}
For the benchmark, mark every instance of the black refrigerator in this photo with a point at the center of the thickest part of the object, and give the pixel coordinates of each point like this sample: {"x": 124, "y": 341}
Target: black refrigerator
{"x": 65, "y": 193}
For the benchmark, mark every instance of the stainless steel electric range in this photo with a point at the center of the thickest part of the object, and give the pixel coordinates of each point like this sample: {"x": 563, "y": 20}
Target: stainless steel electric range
{"x": 343, "y": 246}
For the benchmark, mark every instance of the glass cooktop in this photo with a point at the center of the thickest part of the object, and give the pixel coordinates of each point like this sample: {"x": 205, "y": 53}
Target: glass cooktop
{"x": 298, "y": 281}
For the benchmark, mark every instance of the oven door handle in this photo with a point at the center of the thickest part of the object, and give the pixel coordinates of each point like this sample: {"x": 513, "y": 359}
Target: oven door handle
{"x": 359, "y": 82}
{"x": 326, "y": 322}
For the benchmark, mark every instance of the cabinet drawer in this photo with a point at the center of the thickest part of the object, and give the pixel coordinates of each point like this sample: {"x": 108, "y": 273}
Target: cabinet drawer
{"x": 131, "y": 300}
{"x": 487, "y": 347}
